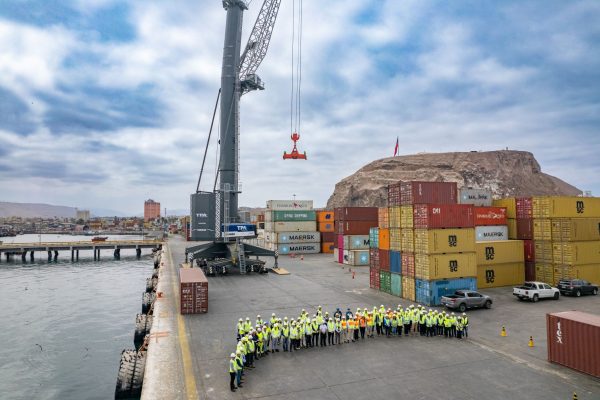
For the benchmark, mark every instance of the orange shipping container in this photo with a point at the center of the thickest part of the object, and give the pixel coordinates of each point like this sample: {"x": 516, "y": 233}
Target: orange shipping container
{"x": 325, "y": 216}
{"x": 384, "y": 239}
{"x": 326, "y": 227}
{"x": 327, "y": 247}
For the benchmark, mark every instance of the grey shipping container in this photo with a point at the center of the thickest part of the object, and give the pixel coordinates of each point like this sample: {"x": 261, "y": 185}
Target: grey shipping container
{"x": 477, "y": 197}
{"x": 489, "y": 233}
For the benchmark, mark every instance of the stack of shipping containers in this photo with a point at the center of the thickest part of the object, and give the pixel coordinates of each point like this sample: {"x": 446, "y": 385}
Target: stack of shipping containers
{"x": 443, "y": 240}
{"x": 352, "y": 226}
{"x": 379, "y": 241}
{"x": 325, "y": 225}
{"x": 291, "y": 227}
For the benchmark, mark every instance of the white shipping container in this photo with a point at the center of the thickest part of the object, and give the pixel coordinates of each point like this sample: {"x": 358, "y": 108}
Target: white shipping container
{"x": 336, "y": 254}
{"x": 358, "y": 257}
{"x": 296, "y": 226}
{"x": 299, "y": 248}
{"x": 356, "y": 242}
{"x": 286, "y": 205}
{"x": 491, "y": 233}
{"x": 293, "y": 237}
{"x": 477, "y": 197}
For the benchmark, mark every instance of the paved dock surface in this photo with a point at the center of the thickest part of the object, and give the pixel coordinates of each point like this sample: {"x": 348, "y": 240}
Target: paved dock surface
{"x": 486, "y": 366}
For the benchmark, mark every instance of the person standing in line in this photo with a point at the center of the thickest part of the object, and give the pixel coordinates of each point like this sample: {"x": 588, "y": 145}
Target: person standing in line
{"x": 247, "y": 325}
{"x": 406, "y": 321}
{"x": 323, "y": 333}
{"x": 459, "y": 329}
{"x": 315, "y": 331}
{"x": 240, "y": 329}
{"x": 453, "y": 327}
{"x": 338, "y": 314}
{"x": 414, "y": 320}
{"x": 338, "y": 331}
{"x": 232, "y": 372}
{"x": 330, "y": 331}
{"x": 370, "y": 324}
{"x": 293, "y": 336}
{"x": 249, "y": 351}
{"x": 267, "y": 337}
{"x": 394, "y": 323}
{"x": 349, "y": 314}
{"x": 240, "y": 365}
{"x": 285, "y": 333}
{"x": 275, "y": 337}
{"x": 465, "y": 322}
{"x": 362, "y": 321}
{"x": 344, "y": 333}
{"x": 440, "y": 324}
{"x": 258, "y": 322}
{"x": 350, "y": 330}
{"x": 447, "y": 326}
{"x": 356, "y": 328}
{"x": 308, "y": 332}
{"x": 387, "y": 325}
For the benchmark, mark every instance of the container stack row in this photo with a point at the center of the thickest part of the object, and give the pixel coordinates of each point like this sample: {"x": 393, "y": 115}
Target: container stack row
{"x": 326, "y": 227}
{"x": 291, "y": 227}
{"x": 352, "y": 226}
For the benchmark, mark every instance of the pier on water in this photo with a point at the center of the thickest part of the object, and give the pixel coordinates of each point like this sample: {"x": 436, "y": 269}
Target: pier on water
{"x": 12, "y": 250}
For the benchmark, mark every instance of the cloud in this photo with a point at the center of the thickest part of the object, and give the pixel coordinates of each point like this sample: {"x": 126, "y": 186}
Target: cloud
{"x": 110, "y": 102}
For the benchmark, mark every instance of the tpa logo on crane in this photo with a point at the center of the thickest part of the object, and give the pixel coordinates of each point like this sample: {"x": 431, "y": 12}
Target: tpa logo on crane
{"x": 238, "y": 230}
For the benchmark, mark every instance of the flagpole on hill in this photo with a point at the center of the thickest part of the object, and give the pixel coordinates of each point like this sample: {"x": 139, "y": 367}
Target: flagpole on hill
{"x": 396, "y": 148}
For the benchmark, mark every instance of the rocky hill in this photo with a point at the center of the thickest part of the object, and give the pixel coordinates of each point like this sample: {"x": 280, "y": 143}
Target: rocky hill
{"x": 32, "y": 210}
{"x": 505, "y": 172}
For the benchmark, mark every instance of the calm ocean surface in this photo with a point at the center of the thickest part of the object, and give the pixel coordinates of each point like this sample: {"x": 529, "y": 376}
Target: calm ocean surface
{"x": 65, "y": 324}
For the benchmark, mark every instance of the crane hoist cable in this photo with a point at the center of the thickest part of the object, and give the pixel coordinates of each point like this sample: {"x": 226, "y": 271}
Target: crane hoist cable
{"x": 295, "y": 93}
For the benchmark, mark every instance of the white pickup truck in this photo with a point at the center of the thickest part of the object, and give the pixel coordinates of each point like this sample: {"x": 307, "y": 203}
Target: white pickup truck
{"x": 536, "y": 290}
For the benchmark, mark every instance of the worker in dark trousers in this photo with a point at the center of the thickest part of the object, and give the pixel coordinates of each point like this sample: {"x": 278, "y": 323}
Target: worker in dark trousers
{"x": 387, "y": 325}
{"x": 459, "y": 329}
{"x": 330, "y": 331}
{"x": 315, "y": 331}
{"x": 323, "y": 333}
{"x": 406, "y": 321}
{"x": 453, "y": 327}
{"x": 232, "y": 372}
{"x": 465, "y": 322}
{"x": 378, "y": 322}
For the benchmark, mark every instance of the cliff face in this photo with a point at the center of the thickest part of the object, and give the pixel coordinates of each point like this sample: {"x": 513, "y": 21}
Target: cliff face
{"x": 505, "y": 172}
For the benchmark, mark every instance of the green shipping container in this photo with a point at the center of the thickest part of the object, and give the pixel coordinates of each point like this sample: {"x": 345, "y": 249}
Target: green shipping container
{"x": 396, "y": 288}
{"x": 285, "y": 216}
{"x": 385, "y": 281}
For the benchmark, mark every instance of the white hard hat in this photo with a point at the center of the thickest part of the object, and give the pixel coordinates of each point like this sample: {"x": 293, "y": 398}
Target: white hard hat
{"x": 247, "y": 318}
{"x": 241, "y": 320}
{"x": 464, "y": 313}
{"x": 232, "y": 355}
{"x": 272, "y": 315}
{"x": 258, "y": 316}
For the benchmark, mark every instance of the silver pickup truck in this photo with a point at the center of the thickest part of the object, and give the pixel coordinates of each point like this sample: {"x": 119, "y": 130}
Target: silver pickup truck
{"x": 463, "y": 299}
{"x": 535, "y": 291}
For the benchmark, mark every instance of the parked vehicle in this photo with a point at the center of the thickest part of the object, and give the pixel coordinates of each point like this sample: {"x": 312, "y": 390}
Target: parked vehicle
{"x": 576, "y": 287}
{"x": 463, "y": 299}
{"x": 536, "y": 290}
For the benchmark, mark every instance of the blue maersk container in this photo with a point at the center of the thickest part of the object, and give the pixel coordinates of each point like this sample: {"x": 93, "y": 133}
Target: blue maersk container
{"x": 395, "y": 262}
{"x": 431, "y": 292}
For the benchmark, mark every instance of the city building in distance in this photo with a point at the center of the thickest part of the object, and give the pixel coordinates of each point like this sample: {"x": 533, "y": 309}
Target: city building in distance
{"x": 151, "y": 210}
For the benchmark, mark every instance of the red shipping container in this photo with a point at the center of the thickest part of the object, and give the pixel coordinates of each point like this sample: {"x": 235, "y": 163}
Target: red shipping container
{"x": 524, "y": 207}
{"x": 524, "y": 228}
{"x": 490, "y": 216}
{"x": 428, "y": 193}
{"x": 384, "y": 260}
{"x": 374, "y": 258}
{"x": 328, "y": 237}
{"x": 357, "y": 214}
{"x": 394, "y": 194}
{"x": 408, "y": 264}
{"x": 574, "y": 340}
{"x": 356, "y": 227}
{"x": 193, "y": 289}
{"x": 374, "y": 277}
{"x": 530, "y": 271}
{"x": 431, "y": 216}
{"x": 529, "y": 248}
{"x": 340, "y": 247}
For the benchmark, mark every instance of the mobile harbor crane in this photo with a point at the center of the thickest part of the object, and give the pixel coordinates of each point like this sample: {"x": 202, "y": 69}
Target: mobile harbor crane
{"x": 214, "y": 215}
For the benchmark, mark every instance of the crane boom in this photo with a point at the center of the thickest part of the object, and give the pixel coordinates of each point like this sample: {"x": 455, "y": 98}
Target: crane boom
{"x": 257, "y": 46}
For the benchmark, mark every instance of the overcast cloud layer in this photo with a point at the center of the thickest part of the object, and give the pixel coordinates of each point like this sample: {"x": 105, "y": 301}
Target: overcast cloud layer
{"x": 104, "y": 103}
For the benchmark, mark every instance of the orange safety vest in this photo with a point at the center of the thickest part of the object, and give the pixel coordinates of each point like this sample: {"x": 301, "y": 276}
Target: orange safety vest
{"x": 350, "y": 324}
{"x": 363, "y": 322}
{"x": 344, "y": 324}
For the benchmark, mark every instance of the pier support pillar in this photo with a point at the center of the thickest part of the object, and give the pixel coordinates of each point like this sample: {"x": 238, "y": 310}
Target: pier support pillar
{"x": 55, "y": 255}
{"x": 98, "y": 254}
{"x": 94, "y": 254}
{"x": 31, "y": 257}
{"x": 117, "y": 254}
{"x": 76, "y": 255}
{"x": 138, "y": 253}
{"x": 23, "y": 256}
{"x": 49, "y": 255}
{"x": 72, "y": 255}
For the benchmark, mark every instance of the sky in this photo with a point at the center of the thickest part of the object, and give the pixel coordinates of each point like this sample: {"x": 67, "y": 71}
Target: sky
{"x": 104, "y": 103}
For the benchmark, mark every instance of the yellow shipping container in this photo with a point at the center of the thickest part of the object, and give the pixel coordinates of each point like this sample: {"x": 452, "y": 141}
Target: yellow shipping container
{"x": 511, "y": 206}
{"x": 542, "y": 229}
{"x": 408, "y": 241}
{"x": 394, "y": 217}
{"x": 512, "y": 228}
{"x": 406, "y": 217}
{"x": 499, "y": 275}
{"x": 435, "y": 241}
{"x": 576, "y": 253}
{"x": 545, "y": 273}
{"x": 499, "y": 252}
{"x": 575, "y": 229}
{"x": 566, "y": 207}
{"x": 408, "y": 288}
{"x": 445, "y": 266}
{"x": 589, "y": 272}
{"x": 395, "y": 239}
{"x": 543, "y": 251}
{"x": 383, "y": 217}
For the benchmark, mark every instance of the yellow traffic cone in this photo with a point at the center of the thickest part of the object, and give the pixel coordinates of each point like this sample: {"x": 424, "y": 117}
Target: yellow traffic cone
{"x": 503, "y": 332}
{"x": 574, "y": 396}
{"x": 530, "y": 341}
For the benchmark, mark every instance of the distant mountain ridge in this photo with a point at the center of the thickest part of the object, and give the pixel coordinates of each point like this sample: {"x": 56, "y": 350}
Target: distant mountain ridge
{"x": 505, "y": 172}
{"x": 36, "y": 210}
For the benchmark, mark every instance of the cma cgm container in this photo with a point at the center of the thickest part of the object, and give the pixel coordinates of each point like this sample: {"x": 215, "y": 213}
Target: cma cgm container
{"x": 357, "y": 214}
{"x": 430, "y": 292}
{"x": 486, "y": 216}
{"x": 436, "y": 241}
{"x": 477, "y": 197}
{"x": 355, "y": 227}
{"x": 431, "y": 216}
{"x": 193, "y": 288}
{"x": 287, "y": 205}
{"x": 566, "y": 207}
{"x": 499, "y": 252}
{"x": 489, "y": 233}
{"x": 445, "y": 266}
{"x": 574, "y": 340}
{"x": 428, "y": 193}
{"x": 509, "y": 274}
{"x": 575, "y": 229}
